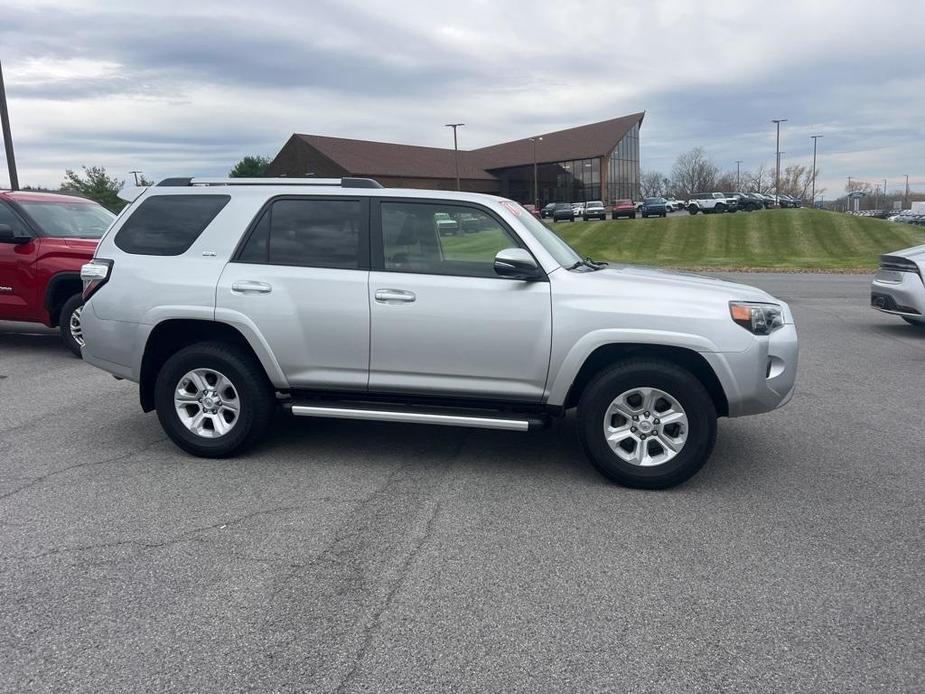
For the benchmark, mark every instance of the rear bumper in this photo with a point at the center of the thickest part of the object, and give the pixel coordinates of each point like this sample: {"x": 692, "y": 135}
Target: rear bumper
{"x": 898, "y": 293}
{"x": 110, "y": 345}
{"x": 763, "y": 377}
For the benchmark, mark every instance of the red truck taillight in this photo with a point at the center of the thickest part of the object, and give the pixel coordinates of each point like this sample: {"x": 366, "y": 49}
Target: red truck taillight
{"x": 94, "y": 275}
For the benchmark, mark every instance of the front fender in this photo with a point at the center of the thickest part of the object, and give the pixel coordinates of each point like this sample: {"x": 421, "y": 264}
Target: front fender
{"x": 561, "y": 380}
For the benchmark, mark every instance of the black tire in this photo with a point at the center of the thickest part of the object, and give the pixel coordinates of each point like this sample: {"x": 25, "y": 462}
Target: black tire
{"x": 256, "y": 398}
{"x": 679, "y": 384}
{"x": 664, "y": 214}
{"x": 692, "y": 210}
{"x": 720, "y": 208}
{"x": 70, "y": 334}
{"x": 633, "y": 216}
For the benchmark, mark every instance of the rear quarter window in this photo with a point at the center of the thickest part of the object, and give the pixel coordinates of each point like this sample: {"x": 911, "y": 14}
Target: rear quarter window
{"x": 168, "y": 224}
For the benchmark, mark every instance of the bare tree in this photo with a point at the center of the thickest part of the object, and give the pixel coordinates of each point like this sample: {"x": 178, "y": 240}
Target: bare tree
{"x": 693, "y": 172}
{"x": 652, "y": 184}
{"x": 726, "y": 182}
{"x": 761, "y": 180}
{"x": 797, "y": 180}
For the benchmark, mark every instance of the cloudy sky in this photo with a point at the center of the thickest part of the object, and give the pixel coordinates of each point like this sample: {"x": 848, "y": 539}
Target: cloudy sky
{"x": 182, "y": 88}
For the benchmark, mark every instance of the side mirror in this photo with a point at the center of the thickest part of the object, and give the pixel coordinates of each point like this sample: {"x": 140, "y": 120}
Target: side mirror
{"x": 7, "y": 235}
{"x": 516, "y": 263}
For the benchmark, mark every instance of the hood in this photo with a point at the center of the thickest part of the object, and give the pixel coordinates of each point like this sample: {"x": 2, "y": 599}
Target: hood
{"x": 681, "y": 281}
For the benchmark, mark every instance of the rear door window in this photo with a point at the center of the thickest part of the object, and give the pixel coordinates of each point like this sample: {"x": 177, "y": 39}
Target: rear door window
{"x": 329, "y": 233}
{"x": 168, "y": 224}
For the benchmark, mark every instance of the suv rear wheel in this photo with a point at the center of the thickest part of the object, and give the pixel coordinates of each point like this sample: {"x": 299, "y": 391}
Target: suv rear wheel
{"x": 69, "y": 324}
{"x": 647, "y": 423}
{"x": 213, "y": 399}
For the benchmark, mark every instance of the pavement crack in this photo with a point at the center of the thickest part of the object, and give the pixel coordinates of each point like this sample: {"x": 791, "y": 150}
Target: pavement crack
{"x": 88, "y": 463}
{"x": 374, "y": 624}
{"x": 190, "y": 535}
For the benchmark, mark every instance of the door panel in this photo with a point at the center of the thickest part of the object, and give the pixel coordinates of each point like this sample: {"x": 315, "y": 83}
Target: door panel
{"x": 17, "y": 272}
{"x": 443, "y": 321}
{"x": 302, "y": 277}
{"x": 315, "y": 320}
{"x": 464, "y": 336}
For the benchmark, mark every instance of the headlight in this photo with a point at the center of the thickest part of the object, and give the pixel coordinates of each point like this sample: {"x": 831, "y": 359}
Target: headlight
{"x": 760, "y": 319}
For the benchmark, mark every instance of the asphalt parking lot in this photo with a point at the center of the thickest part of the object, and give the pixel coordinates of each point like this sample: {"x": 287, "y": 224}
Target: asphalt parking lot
{"x": 349, "y": 556}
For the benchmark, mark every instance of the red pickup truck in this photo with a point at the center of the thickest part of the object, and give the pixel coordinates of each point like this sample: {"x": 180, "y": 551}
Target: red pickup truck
{"x": 44, "y": 239}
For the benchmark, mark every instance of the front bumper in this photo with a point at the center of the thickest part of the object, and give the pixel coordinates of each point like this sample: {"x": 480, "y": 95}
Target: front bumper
{"x": 898, "y": 293}
{"x": 763, "y": 377}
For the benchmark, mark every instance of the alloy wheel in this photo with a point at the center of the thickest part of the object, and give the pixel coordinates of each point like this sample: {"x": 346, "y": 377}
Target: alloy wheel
{"x": 207, "y": 403}
{"x": 645, "y": 426}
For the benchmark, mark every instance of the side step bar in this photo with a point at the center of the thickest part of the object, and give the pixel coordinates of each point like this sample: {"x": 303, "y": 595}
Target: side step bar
{"x": 453, "y": 418}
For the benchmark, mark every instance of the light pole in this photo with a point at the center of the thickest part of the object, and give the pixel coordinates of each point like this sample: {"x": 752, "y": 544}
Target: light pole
{"x": 906, "y": 199}
{"x": 536, "y": 193}
{"x": 738, "y": 165}
{"x": 7, "y": 136}
{"x": 455, "y": 149}
{"x": 884, "y": 191}
{"x": 135, "y": 174}
{"x": 815, "y": 138}
{"x": 778, "y": 121}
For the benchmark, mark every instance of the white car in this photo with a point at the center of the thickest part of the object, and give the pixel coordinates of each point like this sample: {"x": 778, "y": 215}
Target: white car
{"x": 578, "y": 208}
{"x": 898, "y": 287}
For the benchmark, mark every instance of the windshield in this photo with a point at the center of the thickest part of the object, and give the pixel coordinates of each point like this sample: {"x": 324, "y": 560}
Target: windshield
{"x": 564, "y": 254}
{"x": 81, "y": 220}
{"x": 595, "y": 203}
{"x": 655, "y": 201}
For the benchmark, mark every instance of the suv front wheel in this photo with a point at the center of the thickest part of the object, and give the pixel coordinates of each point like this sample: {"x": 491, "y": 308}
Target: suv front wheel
{"x": 213, "y": 399}
{"x": 647, "y": 423}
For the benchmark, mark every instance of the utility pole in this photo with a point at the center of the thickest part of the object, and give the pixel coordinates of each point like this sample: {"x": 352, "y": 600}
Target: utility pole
{"x": 455, "y": 149}
{"x": 848, "y": 207}
{"x": 815, "y": 138}
{"x": 536, "y": 194}
{"x": 906, "y": 201}
{"x": 7, "y": 136}
{"x": 738, "y": 164}
{"x": 778, "y": 121}
{"x": 884, "y": 191}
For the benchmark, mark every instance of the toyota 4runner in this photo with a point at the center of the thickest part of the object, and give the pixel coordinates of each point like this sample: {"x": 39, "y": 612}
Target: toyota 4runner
{"x": 225, "y": 299}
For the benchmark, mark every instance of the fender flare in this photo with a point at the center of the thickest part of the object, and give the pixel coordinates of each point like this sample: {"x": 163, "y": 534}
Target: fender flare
{"x": 561, "y": 382}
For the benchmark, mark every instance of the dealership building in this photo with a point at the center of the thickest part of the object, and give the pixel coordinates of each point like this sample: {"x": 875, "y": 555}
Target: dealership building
{"x": 599, "y": 161}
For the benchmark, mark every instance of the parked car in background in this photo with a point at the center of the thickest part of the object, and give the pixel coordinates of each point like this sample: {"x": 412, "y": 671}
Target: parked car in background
{"x": 44, "y": 240}
{"x": 766, "y": 200}
{"x": 744, "y": 202}
{"x": 446, "y": 224}
{"x": 594, "y": 210}
{"x": 227, "y": 302}
{"x": 707, "y": 203}
{"x": 532, "y": 210}
{"x": 898, "y": 287}
{"x": 674, "y": 205}
{"x": 546, "y": 210}
{"x": 563, "y": 211}
{"x": 579, "y": 208}
{"x": 623, "y": 208}
{"x": 654, "y": 207}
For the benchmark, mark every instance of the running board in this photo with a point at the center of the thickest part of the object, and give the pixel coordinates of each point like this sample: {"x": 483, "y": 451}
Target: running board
{"x": 488, "y": 420}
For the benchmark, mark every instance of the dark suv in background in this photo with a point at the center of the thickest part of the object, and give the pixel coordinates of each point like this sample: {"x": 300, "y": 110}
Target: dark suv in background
{"x": 563, "y": 211}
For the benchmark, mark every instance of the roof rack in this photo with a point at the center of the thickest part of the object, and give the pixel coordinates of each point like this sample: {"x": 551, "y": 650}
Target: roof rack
{"x": 346, "y": 182}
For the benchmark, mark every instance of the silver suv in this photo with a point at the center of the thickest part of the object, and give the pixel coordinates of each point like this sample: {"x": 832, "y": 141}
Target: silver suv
{"x": 225, "y": 299}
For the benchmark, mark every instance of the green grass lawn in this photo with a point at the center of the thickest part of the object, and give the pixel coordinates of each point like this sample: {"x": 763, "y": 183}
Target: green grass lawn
{"x": 801, "y": 239}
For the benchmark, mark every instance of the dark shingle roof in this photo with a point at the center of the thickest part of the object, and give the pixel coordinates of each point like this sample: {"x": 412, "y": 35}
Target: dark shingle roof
{"x": 583, "y": 142}
{"x": 367, "y": 158}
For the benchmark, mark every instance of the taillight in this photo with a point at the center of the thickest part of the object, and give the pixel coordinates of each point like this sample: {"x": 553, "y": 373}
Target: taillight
{"x": 94, "y": 275}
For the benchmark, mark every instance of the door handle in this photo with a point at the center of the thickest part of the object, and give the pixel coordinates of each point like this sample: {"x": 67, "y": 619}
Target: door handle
{"x": 251, "y": 287}
{"x": 388, "y": 296}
